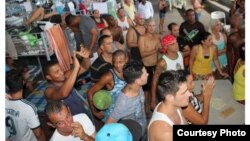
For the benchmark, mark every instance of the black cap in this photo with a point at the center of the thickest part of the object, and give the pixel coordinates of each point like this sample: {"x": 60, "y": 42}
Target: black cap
{"x": 134, "y": 127}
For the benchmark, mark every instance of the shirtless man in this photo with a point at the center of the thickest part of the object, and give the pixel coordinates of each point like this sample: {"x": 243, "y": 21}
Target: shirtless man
{"x": 171, "y": 60}
{"x": 234, "y": 22}
{"x": 148, "y": 46}
{"x": 115, "y": 29}
{"x": 60, "y": 85}
{"x": 233, "y": 45}
{"x": 133, "y": 36}
{"x": 238, "y": 9}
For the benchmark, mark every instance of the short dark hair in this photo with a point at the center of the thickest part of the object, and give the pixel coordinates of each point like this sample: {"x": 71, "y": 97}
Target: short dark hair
{"x": 169, "y": 83}
{"x": 47, "y": 66}
{"x": 170, "y": 26}
{"x": 132, "y": 71}
{"x": 189, "y": 10}
{"x": 184, "y": 73}
{"x": 14, "y": 81}
{"x": 56, "y": 19}
{"x": 69, "y": 19}
{"x": 102, "y": 38}
{"x": 118, "y": 53}
{"x": 119, "y": 9}
{"x": 54, "y": 106}
{"x": 204, "y": 35}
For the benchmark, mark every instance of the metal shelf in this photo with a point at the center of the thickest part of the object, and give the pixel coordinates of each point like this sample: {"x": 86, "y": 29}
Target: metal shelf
{"x": 26, "y": 49}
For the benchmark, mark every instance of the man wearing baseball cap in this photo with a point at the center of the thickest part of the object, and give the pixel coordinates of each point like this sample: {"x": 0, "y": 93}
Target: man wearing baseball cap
{"x": 171, "y": 60}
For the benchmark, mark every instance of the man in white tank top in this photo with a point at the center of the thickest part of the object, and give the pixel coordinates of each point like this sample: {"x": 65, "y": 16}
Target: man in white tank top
{"x": 173, "y": 93}
{"x": 171, "y": 60}
{"x": 124, "y": 22}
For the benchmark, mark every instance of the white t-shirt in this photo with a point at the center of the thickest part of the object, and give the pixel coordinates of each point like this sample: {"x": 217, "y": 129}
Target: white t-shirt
{"x": 21, "y": 117}
{"x": 86, "y": 123}
{"x": 147, "y": 9}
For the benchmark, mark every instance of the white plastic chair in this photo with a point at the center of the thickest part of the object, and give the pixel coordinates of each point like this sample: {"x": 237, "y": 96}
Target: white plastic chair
{"x": 170, "y": 4}
{"x": 218, "y": 15}
{"x": 179, "y": 4}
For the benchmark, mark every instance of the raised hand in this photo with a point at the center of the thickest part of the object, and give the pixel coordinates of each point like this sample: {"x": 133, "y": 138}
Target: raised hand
{"x": 84, "y": 52}
{"x": 207, "y": 88}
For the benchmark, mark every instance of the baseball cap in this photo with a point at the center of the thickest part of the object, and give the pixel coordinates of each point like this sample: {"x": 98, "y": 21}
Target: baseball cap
{"x": 102, "y": 99}
{"x": 114, "y": 132}
{"x": 134, "y": 128}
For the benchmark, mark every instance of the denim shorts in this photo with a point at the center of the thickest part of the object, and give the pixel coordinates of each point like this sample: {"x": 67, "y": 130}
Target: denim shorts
{"x": 162, "y": 15}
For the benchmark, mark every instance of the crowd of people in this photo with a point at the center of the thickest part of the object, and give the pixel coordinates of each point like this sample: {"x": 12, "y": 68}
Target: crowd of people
{"x": 150, "y": 76}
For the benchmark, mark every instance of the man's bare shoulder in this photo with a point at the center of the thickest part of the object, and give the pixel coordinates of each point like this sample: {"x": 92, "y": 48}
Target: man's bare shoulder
{"x": 156, "y": 35}
{"x": 160, "y": 126}
{"x": 160, "y": 130}
{"x": 48, "y": 92}
{"x": 107, "y": 77}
